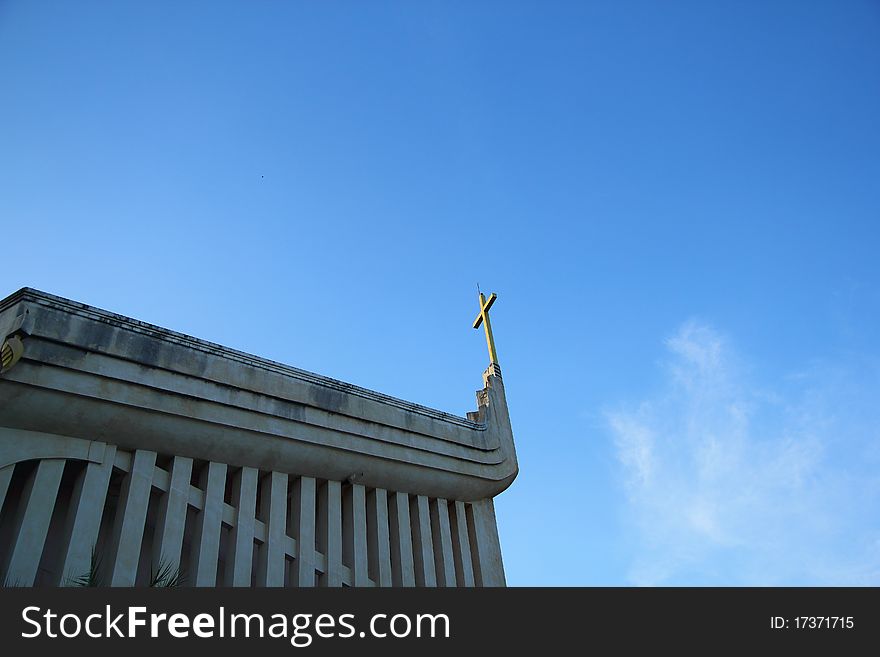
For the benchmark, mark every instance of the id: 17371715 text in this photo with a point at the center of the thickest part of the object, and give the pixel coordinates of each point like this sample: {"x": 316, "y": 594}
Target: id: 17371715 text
{"x": 812, "y": 622}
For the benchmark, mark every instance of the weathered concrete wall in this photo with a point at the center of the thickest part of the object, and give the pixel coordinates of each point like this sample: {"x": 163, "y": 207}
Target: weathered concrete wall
{"x": 155, "y": 447}
{"x": 293, "y": 536}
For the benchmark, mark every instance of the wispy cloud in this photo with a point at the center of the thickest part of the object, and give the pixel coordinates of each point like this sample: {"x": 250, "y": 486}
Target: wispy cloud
{"x": 733, "y": 481}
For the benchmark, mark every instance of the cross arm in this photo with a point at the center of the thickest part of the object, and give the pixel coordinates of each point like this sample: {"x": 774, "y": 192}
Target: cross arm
{"x": 485, "y": 309}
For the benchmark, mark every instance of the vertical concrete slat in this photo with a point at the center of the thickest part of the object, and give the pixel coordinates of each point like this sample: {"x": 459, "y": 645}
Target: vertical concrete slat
{"x": 423, "y": 543}
{"x": 485, "y": 545}
{"x": 244, "y": 498}
{"x": 303, "y": 522}
{"x": 131, "y": 515}
{"x": 402, "y": 567}
{"x": 379, "y": 548}
{"x": 206, "y": 538}
{"x": 444, "y": 561}
{"x": 354, "y": 534}
{"x": 461, "y": 544}
{"x": 329, "y": 527}
{"x": 6, "y": 473}
{"x": 84, "y": 515}
{"x": 32, "y": 522}
{"x": 171, "y": 519}
{"x": 5, "y": 478}
{"x": 273, "y": 509}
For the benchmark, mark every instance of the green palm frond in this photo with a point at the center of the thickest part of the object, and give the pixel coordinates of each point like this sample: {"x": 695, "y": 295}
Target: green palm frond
{"x": 92, "y": 577}
{"x": 166, "y": 575}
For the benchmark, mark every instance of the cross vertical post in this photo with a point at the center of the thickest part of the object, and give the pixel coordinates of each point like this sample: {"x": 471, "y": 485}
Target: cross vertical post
{"x": 483, "y": 318}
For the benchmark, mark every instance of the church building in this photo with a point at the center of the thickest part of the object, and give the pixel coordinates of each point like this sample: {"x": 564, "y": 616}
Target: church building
{"x": 132, "y": 455}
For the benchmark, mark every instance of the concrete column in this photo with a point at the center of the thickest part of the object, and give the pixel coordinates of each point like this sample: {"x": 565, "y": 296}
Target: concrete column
{"x": 444, "y": 561}
{"x": 378, "y": 540}
{"x": 329, "y": 528}
{"x": 206, "y": 538}
{"x": 302, "y": 516}
{"x": 131, "y": 515}
{"x": 84, "y": 515}
{"x": 461, "y": 545}
{"x": 273, "y": 509}
{"x": 354, "y": 533}
{"x": 171, "y": 519}
{"x": 5, "y": 478}
{"x": 402, "y": 568}
{"x": 32, "y": 522}
{"x": 240, "y": 559}
{"x": 423, "y": 544}
{"x": 485, "y": 546}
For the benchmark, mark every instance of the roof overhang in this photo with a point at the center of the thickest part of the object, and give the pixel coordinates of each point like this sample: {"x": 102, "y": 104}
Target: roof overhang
{"x": 92, "y": 374}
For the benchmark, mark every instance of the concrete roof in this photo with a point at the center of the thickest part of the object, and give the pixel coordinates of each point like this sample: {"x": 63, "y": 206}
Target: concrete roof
{"x": 100, "y": 375}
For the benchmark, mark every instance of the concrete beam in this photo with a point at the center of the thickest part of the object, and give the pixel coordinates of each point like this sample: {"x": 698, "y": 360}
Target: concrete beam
{"x": 131, "y": 515}
{"x": 329, "y": 528}
{"x": 423, "y": 542}
{"x": 273, "y": 503}
{"x": 378, "y": 539}
{"x": 171, "y": 519}
{"x": 402, "y": 566}
{"x": 354, "y": 533}
{"x": 303, "y": 523}
{"x": 444, "y": 558}
{"x": 31, "y": 524}
{"x": 240, "y": 559}
{"x": 206, "y": 538}
{"x": 84, "y": 516}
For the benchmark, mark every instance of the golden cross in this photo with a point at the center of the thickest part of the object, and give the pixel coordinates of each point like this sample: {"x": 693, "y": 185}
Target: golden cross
{"x": 483, "y": 318}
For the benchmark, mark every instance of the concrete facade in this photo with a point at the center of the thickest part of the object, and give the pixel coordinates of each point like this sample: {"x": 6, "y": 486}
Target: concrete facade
{"x": 147, "y": 447}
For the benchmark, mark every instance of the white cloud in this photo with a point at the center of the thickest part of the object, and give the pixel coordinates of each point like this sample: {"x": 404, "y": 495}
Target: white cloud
{"x": 730, "y": 483}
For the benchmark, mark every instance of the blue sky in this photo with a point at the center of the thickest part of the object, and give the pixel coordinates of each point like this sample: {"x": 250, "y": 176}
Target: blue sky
{"x": 677, "y": 204}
